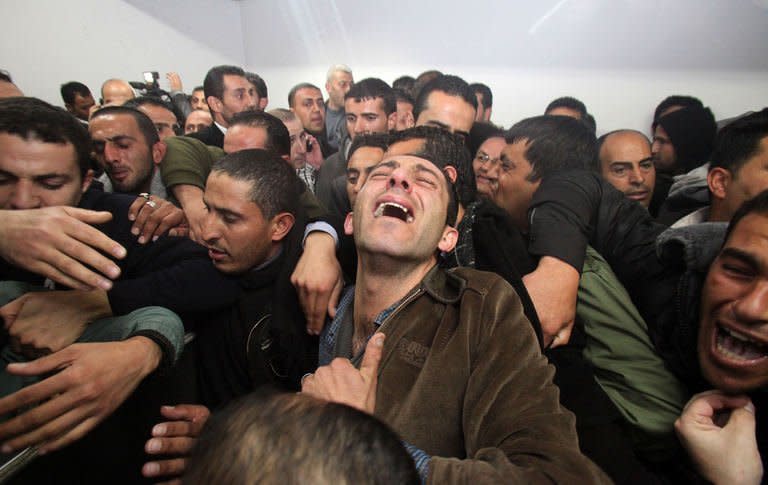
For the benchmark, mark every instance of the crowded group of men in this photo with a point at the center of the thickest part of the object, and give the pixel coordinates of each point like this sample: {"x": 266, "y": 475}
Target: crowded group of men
{"x": 377, "y": 284}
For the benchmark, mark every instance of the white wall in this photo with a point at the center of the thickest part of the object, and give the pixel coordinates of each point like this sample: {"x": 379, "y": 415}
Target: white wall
{"x": 620, "y": 57}
{"x": 44, "y": 43}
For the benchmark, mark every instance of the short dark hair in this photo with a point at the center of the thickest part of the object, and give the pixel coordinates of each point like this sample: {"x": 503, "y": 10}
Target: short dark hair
{"x": 34, "y": 119}
{"x": 444, "y": 149}
{"x": 554, "y": 143}
{"x": 405, "y": 83}
{"x": 145, "y": 124}
{"x": 422, "y": 79}
{"x": 402, "y": 96}
{"x": 450, "y": 85}
{"x": 597, "y": 165}
{"x": 199, "y": 88}
{"x": 757, "y": 204}
{"x": 71, "y": 89}
{"x": 295, "y": 89}
{"x": 258, "y": 82}
{"x": 376, "y": 140}
{"x": 739, "y": 141}
{"x": 675, "y": 100}
{"x": 692, "y": 133}
{"x": 275, "y": 188}
{"x": 213, "y": 84}
{"x": 480, "y": 132}
{"x": 485, "y": 91}
{"x": 567, "y": 102}
{"x": 154, "y": 101}
{"x": 278, "y": 138}
{"x": 295, "y": 438}
{"x": 372, "y": 88}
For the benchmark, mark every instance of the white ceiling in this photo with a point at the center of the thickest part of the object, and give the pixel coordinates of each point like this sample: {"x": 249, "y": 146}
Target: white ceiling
{"x": 610, "y": 34}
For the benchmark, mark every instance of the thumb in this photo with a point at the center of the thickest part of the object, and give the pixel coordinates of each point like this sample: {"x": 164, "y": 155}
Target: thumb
{"x": 369, "y": 368}
{"x": 333, "y": 302}
{"x": 89, "y": 216}
{"x": 10, "y": 311}
{"x": 49, "y": 363}
{"x": 742, "y": 419}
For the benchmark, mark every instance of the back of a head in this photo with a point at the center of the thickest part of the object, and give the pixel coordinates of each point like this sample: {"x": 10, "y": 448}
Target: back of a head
{"x": 371, "y": 88}
{"x": 258, "y": 82}
{"x": 284, "y": 115}
{"x": 676, "y": 100}
{"x": 485, "y": 92}
{"x": 7, "y": 87}
{"x": 293, "y": 439}
{"x": 213, "y": 84}
{"x": 568, "y": 102}
{"x": 406, "y": 83}
{"x": 422, "y": 79}
{"x": 739, "y": 141}
{"x": 554, "y": 143}
{"x": 278, "y": 138}
{"x": 448, "y": 84}
{"x": 71, "y": 89}
{"x": 275, "y": 188}
{"x": 154, "y": 101}
{"x": 34, "y": 119}
{"x": 692, "y": 132}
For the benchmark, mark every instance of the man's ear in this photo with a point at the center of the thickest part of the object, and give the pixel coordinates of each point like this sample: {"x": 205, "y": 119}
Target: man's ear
{"x": 718, "y": 180}
{"x": 263, "y": 103}
{"x": 281, "y": 225}
{"x": 448, "y": 241}
{"x": 410, "y": 122}
{"x": 349, "y": 228}
{"x": 158, "y": 152}
{"x": 214, "y": 104}
{"x": 450, "y": 171}
{"x": 87, "y": 179}
{"x": 392, "y": 121}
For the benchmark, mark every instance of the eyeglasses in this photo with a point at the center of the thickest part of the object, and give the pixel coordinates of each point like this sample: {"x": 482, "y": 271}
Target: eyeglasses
{"x": 484, "y": 158}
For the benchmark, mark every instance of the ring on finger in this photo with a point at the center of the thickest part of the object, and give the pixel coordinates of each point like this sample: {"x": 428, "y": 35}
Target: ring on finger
{"x": 145, "y": 195}
{"x": 151, "y": 203}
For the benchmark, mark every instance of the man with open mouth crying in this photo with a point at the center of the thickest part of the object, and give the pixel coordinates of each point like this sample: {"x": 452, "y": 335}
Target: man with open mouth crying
{"x": 446, "y": 358}
{"x": 733, "y": 355}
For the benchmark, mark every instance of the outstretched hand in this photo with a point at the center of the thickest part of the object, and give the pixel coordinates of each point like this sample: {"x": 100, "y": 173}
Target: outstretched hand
{"x": 59, "y": 243}
{"x": 175, "y": 438}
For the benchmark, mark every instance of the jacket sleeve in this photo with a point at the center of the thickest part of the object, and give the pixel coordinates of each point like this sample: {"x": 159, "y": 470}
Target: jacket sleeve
{"x": 171, "y": 272}
{"x": 575, "y": 208}
{"x": 187, "y": 161}
{"x": 515, "y": 430}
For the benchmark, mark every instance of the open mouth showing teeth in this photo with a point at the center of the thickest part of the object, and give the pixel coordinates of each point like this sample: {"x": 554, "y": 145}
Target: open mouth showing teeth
{"x": 392, "y": 209}
{"x": 738, "y": 346}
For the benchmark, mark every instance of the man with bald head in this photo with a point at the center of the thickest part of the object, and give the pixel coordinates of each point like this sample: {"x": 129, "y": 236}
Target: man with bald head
{"x": 116, "y": 92}
{"x": 625, "y": 161}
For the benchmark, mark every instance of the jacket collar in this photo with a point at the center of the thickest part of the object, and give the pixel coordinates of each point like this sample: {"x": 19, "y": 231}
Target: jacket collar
{"x": 443, "y": 285}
